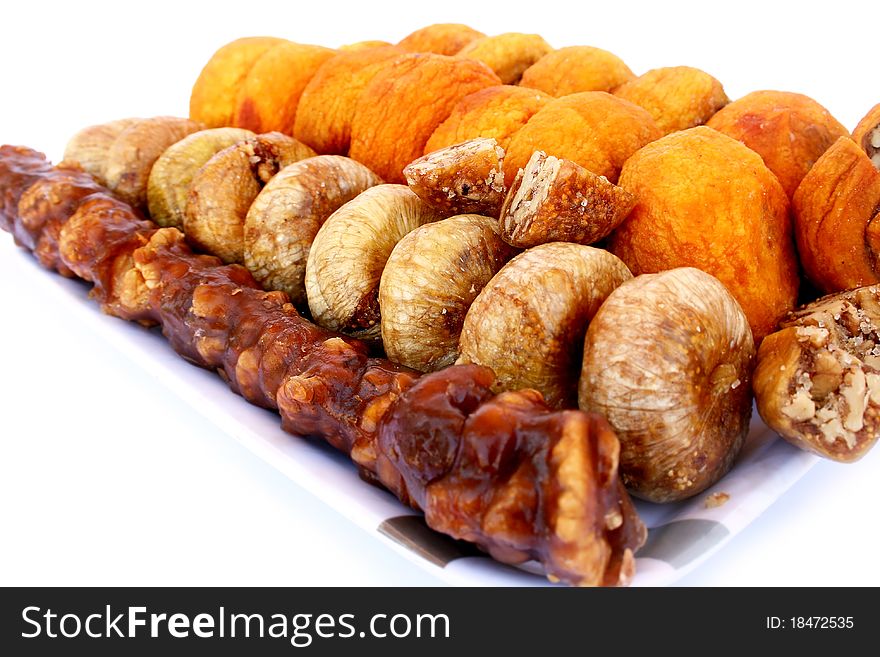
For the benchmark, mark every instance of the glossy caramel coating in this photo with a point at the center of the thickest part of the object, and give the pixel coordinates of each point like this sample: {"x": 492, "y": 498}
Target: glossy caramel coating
{"x": 20, "y": 167}
{"x": 45, "y": 207}
{"x": 513, "y": 476}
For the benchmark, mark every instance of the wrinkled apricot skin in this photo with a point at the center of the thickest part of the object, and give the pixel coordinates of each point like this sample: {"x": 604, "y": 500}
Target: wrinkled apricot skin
{"x": 788, "y": 130}
{"x": 497, "y": 113}
{"x": 677, "y": 97}
{"x": 326, "y": 107}
{"x": 595, "y": 129}
{"x": 440, "y": 39}
{"x": 835, "y": 210}
{"x": 575, "y": 69}
{"x": 214, "y": 94}
{"x": 404, "y": 103}
{"x": 268, "y": 98}
{"x": 707, "y": 201}
{"x": 509, "y": 54}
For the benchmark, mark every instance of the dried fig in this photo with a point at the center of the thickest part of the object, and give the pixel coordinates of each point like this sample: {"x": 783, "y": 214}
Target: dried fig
{"x": 430, "y": 280}
{"x": 120, "y": 154}
{"x": 214, "y": 94}
{"x": 350, "y": 251}
{"x": 668, "y": 360}
{"x": 608, "y": 129}
{"x": 575, "y": 69}
{"x": 466, "y": 178}
{"x": 171, "y": 175}
{"x": 555, "y": 200}
{"x": 224, "y": 188}
{"x": 677, "y": 97}
{"x": 836, "y": 221}
{"x": 440, "y": 38}
{"x": 131, "y": 156}
{"x": 528, "y": 323}
{"x": 509, "y": 54}
{"x": 789, "y": 131}
{"x": 268, "y": 97}
{"x": 285, "y": 217}
{"x": 88, "y": 148}
{"x": 867, "y": 134}
{"x": 817, "y": 382}
{"x": 707, "y": 201}
{"x": 496, "y": 112}
{"x": 403, "y": 104}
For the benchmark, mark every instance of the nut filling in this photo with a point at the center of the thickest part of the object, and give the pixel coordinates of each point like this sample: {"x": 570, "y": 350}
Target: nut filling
{"x": 465, "y": 178}
{"x": 873, "y": 146}
{"x": 818, "y": 379}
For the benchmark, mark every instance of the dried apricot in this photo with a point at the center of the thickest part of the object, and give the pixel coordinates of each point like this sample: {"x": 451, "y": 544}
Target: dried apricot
{"x": 326, "y": 107}
{"x": 576, "y": 68}
{"x": 441, "y": 38}
{"x": 509, "y": 54}
{"x": 595, "y": 129}
{"x": 268, "y": 98}
{"x": 404, "y": 103}
{"x": 790, "y": 131}
{"x": 494, "y": 112}
{"x": 214, "y": 94}
{"x": 707, "y": 201}
{"x": 678, "y": 97}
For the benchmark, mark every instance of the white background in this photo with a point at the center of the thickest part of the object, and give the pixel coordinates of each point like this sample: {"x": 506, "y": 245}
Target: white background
{"x": 107, "y": 478}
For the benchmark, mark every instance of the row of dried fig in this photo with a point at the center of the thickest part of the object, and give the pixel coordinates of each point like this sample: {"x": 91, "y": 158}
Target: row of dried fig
{"x": 563, "y": 318}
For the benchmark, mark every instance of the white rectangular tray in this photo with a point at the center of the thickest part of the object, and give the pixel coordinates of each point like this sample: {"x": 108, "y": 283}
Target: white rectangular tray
{"x": 681, "y": 535}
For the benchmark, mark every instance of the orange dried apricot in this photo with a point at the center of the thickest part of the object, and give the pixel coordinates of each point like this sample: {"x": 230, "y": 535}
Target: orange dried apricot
{"x": 404, "y": 103}
{"x": 495, "y": 112}
{"x": 678, "y": 97}
{"x": 268, "y": 98}
{"x": 595, "y": 129}
{"x": 326, "y": 107}
{"x": 576, "y": 68}
{"x": 441, "y": 38}
{"x": 509, "y": 54}
{"x": 704, "y": 200}
{"x": 214, "y": 94}
{"x": 790, "y": 131}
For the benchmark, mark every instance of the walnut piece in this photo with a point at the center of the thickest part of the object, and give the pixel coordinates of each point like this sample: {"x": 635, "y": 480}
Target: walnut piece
{"x": 817, "y": 382}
